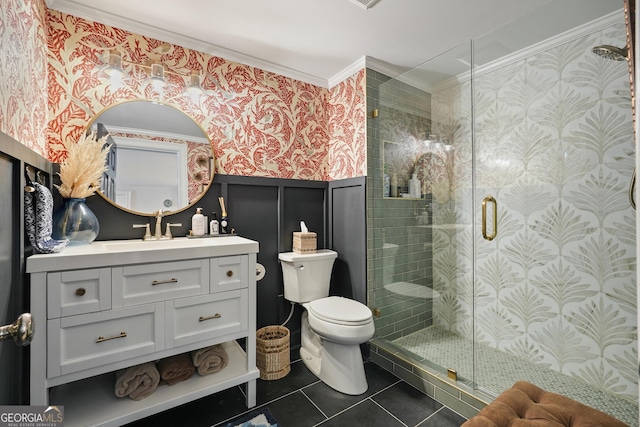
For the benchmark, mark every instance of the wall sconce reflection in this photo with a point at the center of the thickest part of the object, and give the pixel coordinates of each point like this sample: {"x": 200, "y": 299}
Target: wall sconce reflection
{"x": 433, "y": 144}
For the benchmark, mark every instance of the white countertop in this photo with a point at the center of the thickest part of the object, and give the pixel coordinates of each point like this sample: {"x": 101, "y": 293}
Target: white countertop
{"x": 119, "y": 252}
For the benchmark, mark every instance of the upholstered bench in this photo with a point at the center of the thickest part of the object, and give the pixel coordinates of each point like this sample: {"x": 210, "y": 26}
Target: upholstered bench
{"x": 525, "y": 405}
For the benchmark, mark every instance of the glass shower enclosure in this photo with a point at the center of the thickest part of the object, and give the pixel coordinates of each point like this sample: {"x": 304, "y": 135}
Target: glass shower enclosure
{"x": 516, "y": 257}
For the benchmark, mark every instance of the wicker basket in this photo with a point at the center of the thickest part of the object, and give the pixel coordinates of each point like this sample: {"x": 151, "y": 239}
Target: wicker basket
{"x": 272, "y": 356}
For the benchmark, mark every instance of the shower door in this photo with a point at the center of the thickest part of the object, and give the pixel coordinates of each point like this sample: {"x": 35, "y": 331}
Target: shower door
{"x": 554, "y": 285}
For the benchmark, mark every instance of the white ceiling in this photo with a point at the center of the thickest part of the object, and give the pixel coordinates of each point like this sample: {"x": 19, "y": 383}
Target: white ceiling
{"x": 324, "y": 41}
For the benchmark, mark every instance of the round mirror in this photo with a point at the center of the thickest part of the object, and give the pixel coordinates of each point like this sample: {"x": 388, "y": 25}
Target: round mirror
{"x": 160, "y": 158}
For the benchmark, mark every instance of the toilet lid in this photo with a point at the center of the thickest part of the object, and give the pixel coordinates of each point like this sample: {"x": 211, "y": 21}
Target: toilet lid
{"x": 340, "y": 310}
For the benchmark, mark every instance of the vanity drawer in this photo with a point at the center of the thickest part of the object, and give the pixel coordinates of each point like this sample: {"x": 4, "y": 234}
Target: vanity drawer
{"x": 78, "y": 292}
{"x": 146, "y": 283}
{"x": 229, "y": 273}
{"x": 189, "y": 320}
{"x": 90, "y": 340}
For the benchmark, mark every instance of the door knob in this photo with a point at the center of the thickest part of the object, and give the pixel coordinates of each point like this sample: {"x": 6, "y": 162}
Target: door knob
{"x": 20, "y": 331}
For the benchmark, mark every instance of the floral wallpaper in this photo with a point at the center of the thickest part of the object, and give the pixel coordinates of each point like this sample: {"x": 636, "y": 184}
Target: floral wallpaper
{"x": 23, "y": 72}
{"x": 554, "y": 146}
{"x": 260, "y": 123}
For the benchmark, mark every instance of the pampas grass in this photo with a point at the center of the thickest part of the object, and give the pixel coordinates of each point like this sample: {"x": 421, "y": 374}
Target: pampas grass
{"x": 81, "y": 172}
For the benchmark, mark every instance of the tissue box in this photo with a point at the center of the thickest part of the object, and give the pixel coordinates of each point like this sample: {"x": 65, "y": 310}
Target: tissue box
{"x": 304, "y": 243}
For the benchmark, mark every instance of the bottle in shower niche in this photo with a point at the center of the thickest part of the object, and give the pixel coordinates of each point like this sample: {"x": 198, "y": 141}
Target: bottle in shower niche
{"x": 386, "y": 184}
{"x": 415, "y": 189}
{"x": 198, "y": 223}
{"x": 214, "y": 226}
{"x": 424, "y": 216}
{"x": 394, "y": 186}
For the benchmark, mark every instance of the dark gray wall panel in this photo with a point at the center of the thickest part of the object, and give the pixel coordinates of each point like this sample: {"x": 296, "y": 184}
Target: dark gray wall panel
{"x": 347, "y": 222}
{"x": 303, "y": 204}
{"x": 254, "y": 214}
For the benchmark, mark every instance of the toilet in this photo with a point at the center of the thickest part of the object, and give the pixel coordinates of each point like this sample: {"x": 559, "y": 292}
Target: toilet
{"x": 332, "y": 327}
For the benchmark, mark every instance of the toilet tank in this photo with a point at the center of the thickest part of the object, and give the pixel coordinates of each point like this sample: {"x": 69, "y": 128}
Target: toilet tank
{"x": 307, "y": 276}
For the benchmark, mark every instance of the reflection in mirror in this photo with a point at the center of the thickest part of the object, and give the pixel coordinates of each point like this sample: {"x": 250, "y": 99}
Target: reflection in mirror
{"x": 160, "y": 158}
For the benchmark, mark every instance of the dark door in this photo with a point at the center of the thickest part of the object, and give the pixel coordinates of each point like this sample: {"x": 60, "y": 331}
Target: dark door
{"x": 11, "y": 294}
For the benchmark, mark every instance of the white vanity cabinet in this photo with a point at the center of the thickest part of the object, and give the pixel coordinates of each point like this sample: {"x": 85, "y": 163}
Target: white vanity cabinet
{"x": 107, "y": 306}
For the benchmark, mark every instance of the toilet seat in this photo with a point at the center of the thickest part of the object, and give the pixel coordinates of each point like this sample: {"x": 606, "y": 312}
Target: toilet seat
{"x": 341, "y": 311}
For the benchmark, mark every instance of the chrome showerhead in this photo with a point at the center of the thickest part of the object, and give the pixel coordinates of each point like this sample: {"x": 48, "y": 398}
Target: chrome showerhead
{"x": 611, "y": 52}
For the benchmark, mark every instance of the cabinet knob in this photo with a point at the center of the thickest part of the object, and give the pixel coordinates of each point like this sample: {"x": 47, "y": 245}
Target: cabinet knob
{"x": 80, "y": 292}
{"x": 229, "y": 273}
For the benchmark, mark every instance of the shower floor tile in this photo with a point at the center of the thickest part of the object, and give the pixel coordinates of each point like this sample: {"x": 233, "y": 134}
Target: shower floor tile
{"x": 497, "y": 371}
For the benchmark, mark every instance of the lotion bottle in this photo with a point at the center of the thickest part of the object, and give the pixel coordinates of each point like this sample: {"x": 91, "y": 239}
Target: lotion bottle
{"x": 214, "y": 226}
{"x": 198, "y": 223}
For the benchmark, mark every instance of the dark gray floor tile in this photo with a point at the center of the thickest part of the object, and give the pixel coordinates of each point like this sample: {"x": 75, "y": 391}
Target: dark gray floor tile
{"x": 445, "y": 417}
{"x": 331, "y": 402}
{"x": 366, "y": 413}
{"x": 378, "y": 378}
{"x": 299, "y": 377}
{"x": 407, "y": 403}
{"x": 295, "y": 410}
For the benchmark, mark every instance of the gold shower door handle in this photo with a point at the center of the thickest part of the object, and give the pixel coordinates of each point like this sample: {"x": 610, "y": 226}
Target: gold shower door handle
{"x": 485, "y": 202}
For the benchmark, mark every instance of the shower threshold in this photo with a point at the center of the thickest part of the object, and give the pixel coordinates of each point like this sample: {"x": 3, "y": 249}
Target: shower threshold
{"x": 497, "y": 370}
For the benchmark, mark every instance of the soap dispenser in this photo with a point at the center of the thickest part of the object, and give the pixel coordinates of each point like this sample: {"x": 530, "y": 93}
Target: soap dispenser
{"x": 198, "y": 223}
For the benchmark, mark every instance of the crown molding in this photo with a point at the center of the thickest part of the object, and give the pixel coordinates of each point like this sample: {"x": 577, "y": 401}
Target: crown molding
{"x": 347, "y": 72}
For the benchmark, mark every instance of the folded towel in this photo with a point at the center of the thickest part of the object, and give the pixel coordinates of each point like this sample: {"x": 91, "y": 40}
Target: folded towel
{"x": 38, "y": 215}
{"x": 210, "y": 360}
{"x": 137, "y": 382}
{"x": 176, "y": 368}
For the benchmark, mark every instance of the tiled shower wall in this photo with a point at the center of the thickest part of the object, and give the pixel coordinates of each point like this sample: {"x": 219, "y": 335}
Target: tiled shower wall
{"x": 554, "y": 146}
{"x": 398, "y": 246}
